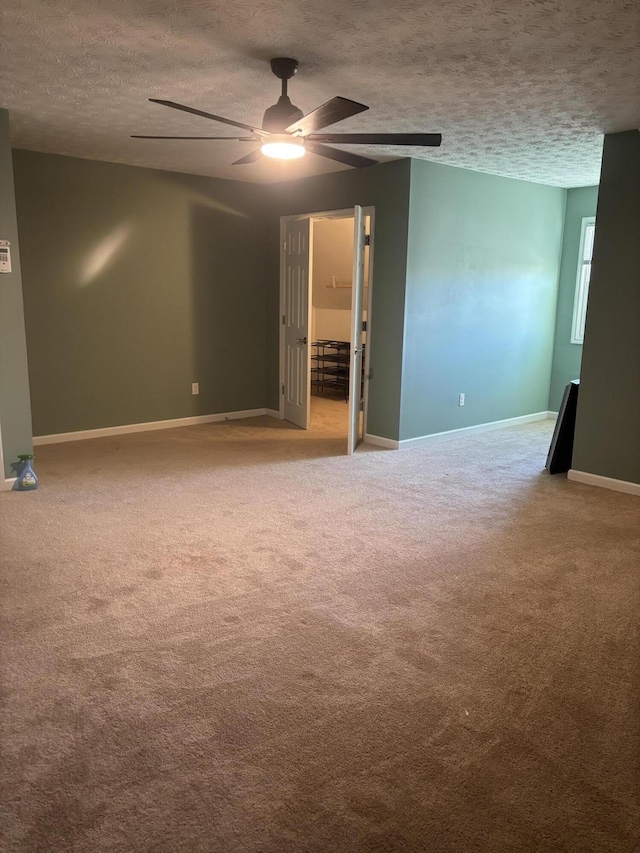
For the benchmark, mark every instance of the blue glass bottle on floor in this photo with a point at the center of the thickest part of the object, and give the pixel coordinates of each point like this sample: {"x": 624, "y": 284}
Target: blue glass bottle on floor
{"x": 26, "y": 480}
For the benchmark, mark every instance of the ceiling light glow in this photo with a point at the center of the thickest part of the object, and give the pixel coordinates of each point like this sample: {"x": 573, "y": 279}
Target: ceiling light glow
{"x": 283, "y": 146}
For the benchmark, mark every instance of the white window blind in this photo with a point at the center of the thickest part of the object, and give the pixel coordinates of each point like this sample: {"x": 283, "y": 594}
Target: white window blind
{"x": 587, "y": 235}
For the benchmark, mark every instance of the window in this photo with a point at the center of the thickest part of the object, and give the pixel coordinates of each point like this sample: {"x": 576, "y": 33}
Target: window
{"x": 587, "y": 235}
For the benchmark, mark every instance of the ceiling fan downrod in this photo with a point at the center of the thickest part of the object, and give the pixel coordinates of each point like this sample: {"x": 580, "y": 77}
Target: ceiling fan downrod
{"x": 283, "y": 113}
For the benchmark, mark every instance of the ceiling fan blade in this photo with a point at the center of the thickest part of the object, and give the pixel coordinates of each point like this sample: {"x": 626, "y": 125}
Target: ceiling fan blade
{"x": 431, "y": 139}
{"x": 251, "y": 157}
{"x": 334, "y": 110}
{"x": 232, "y": 138}
{"x": 196, "y": 112}
{"x": 347, "y": 157}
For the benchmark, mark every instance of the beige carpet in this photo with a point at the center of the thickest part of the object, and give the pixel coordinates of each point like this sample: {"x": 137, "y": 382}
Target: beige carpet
{"x": 233, "y": 638}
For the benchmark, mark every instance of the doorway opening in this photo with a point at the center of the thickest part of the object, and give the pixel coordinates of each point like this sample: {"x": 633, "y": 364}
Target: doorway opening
{"x": 326, "y": 287}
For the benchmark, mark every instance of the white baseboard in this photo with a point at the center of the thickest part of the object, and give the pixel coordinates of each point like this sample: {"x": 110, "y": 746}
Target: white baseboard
{"x": 7, "y": 485}
{"x": 380, "y": 441}
{"x": 604, "y": 482}
{"x": 437, "y": 437}
{"x": 273, "y": 413}
{"x": 105, "y": 432}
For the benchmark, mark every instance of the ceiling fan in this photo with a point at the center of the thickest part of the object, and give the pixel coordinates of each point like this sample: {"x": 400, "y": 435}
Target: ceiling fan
{"x": 287, "y": 133}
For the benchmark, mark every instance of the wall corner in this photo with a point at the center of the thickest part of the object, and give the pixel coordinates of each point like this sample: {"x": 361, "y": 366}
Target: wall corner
{"x": 15, "y": 403}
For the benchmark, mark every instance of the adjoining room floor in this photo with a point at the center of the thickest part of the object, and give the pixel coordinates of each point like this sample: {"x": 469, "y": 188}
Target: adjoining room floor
{"x": 329, "y": 415}
{"x": 232, "y": 637}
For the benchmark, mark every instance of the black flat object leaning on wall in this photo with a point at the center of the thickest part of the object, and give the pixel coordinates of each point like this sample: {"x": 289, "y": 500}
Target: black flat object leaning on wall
{"x": 561, "y": 449}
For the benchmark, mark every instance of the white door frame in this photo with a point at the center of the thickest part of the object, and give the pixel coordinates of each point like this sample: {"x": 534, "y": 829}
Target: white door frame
{"x": 344, "y": 213}
{"x": 356, "y": 362}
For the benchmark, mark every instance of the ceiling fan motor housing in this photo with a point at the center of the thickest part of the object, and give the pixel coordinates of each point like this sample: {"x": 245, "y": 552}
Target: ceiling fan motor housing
{"x": 281, "y": 115}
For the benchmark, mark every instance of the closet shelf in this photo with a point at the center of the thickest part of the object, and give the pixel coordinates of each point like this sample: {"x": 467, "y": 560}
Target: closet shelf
{"x": 336, "y": 285}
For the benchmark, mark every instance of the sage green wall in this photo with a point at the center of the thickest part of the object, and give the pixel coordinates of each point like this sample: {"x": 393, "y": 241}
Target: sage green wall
{"x": 15, "y": 411}
{"x": 607, "y": 440}
{"x": 387, "y": 188}
{"x": 482, "y": 282}
{"x": 581, "y": 202}
{"x": 137, "y": 283}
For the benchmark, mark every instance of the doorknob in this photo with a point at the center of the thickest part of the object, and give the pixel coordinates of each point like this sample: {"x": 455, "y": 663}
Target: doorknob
{"x": 302, "y": 340}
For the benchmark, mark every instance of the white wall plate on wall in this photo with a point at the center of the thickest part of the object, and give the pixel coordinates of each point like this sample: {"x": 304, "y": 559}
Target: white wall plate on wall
{"x": 5, "y": 256}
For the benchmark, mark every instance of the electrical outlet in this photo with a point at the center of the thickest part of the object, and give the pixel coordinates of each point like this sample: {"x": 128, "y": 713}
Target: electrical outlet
{"x": 195, "y": 387}
{"x": 461, "y": 399}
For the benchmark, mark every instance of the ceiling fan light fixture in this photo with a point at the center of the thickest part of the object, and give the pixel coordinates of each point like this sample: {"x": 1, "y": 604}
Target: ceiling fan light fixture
{"x": 283, "y": 146}
{"x": 287, "y": 133}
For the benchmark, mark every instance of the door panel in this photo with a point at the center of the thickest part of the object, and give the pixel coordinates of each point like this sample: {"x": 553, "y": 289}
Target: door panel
{"x": 297, "y": 252}
{"x": 357, "y": 299}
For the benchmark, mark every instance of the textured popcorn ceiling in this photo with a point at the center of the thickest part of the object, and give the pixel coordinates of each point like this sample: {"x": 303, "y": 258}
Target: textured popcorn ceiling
{"x": 523, "y": 88}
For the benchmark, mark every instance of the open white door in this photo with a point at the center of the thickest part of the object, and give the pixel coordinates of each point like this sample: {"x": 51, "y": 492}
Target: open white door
{"x": 297, "y": 252}
{"x": 357, "y": 299}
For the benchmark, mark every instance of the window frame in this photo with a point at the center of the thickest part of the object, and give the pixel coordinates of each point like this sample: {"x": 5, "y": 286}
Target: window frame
{"x": 582, "y": 287}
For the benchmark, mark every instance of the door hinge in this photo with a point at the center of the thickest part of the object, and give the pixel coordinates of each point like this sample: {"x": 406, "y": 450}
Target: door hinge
{"x": 283, "y": 320}
{"x": 282, "y": 388}
{"x": 367, "y": 239}
{"x": 364, "y": 325}
{"x": 284, "y": 245}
